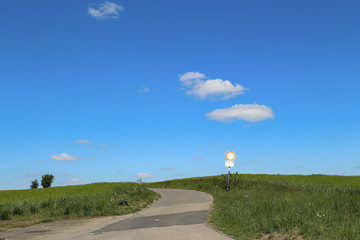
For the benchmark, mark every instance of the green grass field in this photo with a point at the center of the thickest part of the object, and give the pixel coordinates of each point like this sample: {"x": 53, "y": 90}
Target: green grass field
{"x": 257, "y": 206}
{"x": 25, "y": 207}
{"x": 312, "y": 207}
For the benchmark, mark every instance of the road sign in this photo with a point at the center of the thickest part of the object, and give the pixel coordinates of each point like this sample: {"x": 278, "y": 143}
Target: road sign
{"x": 230, "y": 156}
{"x": 229, "y": 163}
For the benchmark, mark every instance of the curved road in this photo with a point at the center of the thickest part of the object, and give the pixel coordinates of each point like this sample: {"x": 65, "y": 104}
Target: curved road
{"x": 179, "y": 214}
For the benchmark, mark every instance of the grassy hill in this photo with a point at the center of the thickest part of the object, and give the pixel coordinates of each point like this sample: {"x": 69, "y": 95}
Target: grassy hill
{"x": 257, "y": 206}
{"x": 281, "y": 206}
{"x": 20, "y": 208}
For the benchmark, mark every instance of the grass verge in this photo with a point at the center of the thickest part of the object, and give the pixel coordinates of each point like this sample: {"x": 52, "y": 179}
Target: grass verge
{"x": 281, "y": 207}
{"x": 26, "y": 207}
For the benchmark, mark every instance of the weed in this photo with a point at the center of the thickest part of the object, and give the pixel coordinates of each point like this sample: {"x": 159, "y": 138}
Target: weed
{"x": 5, "y": 215}
{"x": 17, "y": 211}
{"x": 123, "y": 203}
{"x": 67, "y": 211}
{"x": 33, "y": 209}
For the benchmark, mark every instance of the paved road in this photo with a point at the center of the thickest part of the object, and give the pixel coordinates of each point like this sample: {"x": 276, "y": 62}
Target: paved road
{"x": 179, "y": 214}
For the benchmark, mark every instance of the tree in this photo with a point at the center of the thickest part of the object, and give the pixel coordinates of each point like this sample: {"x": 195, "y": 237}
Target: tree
{"x": 34, "y": 184}
{"x": 47, "y": 180}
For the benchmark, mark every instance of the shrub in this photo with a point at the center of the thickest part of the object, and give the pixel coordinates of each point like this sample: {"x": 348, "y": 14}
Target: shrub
{"x": 67, "y": 211}
{"x": 33, "y": 209}
{"x": 47, "y": 180}
{"x": 17, "y": 211}
{"x": 34, "y": 184}
{"x": 5, "y": 215}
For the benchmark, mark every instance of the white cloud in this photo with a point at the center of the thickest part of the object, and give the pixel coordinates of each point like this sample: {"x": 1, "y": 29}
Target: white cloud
{"x": 64, "y": 157}
{"x": 103, "y": 145}
{"x": 74, "y": 180}
{"x": 106, "y": 10}
{"x": 144, "y": 175}
{"x": 167, "y": 169}
{"x": 247, "y": 112}
{"x": 84, "y": 141}
{"x": 187, "y": 78}
{"x": 143, "y": 90}
{"x": 211, "y": 88}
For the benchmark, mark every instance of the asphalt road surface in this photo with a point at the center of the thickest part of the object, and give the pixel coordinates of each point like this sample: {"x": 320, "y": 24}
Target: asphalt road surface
{"x": 179, "y": 214}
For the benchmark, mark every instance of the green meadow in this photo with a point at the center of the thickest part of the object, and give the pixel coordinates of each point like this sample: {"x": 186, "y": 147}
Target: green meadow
{"x": 256, "y": 207}
{"x": 281, "y": 206}
{"x": 20, "y": 208}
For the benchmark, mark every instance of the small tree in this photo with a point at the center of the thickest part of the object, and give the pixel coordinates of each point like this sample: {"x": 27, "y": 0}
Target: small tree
{"x": 34, "y": 184}
{"x": 47, "y": 180}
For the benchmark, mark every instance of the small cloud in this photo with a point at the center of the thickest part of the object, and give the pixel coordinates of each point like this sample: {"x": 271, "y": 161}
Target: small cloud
{"x": 339, "y": 174}
{"x": 197, "y": 158}
{"x": 179, "y": 174}
{"x": 33, "y": 175}
{"x": 64, "y": 157}
{"x": 119, "y": 170}
{"x": 301, "y": 166}
{"x": 66, "y": 174}
{"x": 167, "y": 169}
{"x": 103, "y": 145}
{"x": 143, "y": 90}
{"x": 357, "y": 166}
{"x": 114, "y": 143}
{"x": 188, "y": 78}
{"x": 84, "y": 141}
{"x": 90, "y": 146}
{"x": 91, "y": 158}
{"x": 106, "y": 10}
{"x": 247, "y": 112}
{"x": 211, "y": 88}
{"x": 74, "y": 181}
{"x": 144, "y": 175}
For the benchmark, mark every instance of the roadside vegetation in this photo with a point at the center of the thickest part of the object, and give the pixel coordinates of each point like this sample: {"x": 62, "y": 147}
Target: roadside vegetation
{"x": 281, "y": 206}
{"x": 20, "y": 208}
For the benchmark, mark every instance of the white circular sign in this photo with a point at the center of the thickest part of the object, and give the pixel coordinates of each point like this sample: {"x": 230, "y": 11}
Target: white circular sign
{"x": 230, "y": 155}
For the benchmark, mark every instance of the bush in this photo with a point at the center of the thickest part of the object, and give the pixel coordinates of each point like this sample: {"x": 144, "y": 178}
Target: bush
{"x": 47, "y": 180}
{"x": 34, "y": 184}
{"x": 5, "y": 215}
{"x": 17, "y": 211}
{"x": 234, "y": 181}
{"x": 33, "y": 209}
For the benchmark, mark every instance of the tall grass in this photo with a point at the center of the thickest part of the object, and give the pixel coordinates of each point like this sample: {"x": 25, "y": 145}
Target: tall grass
{"x": 98, "y": 199}
{"x": 315, "y": 207}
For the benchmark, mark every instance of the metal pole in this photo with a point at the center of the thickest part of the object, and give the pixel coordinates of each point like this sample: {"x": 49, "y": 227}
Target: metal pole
{"x": 227, "y": 187}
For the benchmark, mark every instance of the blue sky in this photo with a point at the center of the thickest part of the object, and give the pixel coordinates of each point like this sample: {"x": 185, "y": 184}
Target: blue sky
{"x": 115, "y": 90}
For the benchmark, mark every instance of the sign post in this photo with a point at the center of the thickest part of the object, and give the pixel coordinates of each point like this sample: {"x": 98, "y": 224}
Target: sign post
{"x": 230, "y": 156}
